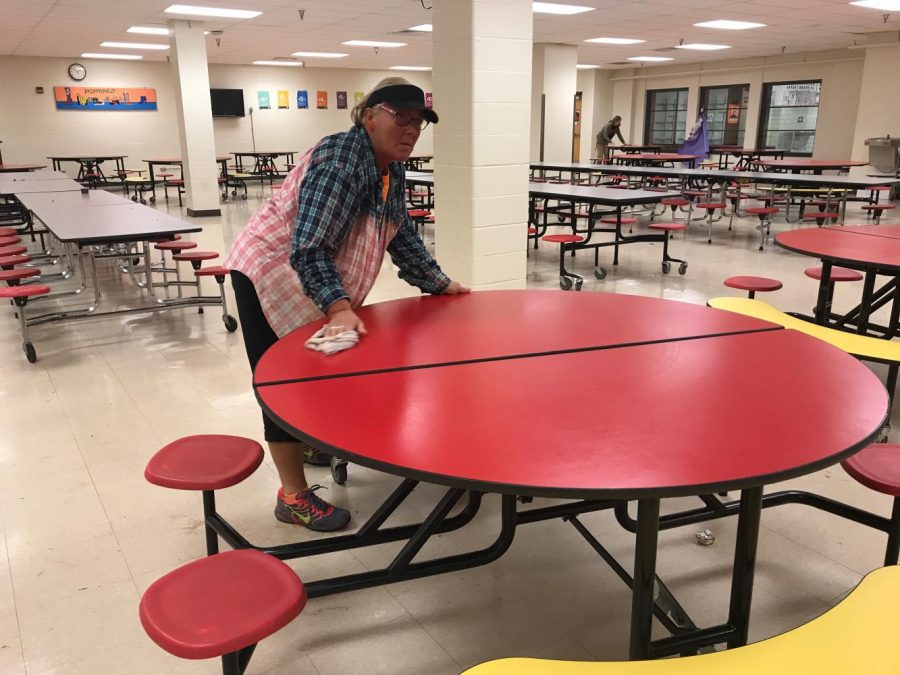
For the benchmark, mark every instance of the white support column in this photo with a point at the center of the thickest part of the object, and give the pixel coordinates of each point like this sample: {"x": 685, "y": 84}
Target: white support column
{"x": 195, "y": 126}
{"x": 554, "y": 77}
{"x": 482, "y": 91}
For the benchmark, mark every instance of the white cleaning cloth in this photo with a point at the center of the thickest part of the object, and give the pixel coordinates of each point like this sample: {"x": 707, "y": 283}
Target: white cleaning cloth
{"x": 333, "y": 344}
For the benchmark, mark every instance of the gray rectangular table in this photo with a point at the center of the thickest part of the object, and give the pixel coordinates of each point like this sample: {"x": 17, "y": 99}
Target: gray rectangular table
{"x": 99, "y": 224}
{"x": 10, "y": 188}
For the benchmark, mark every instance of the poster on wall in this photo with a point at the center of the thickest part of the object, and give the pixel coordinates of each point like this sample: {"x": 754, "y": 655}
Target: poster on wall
{"x": 322, "y": 100}
{"x": 358, "y": 96}
{"x": 105, "y": 98}
{"x": 429, "y": 100}
{"x": 733, "y": 114}
{"x": 262, "y": 97}
{"x": 283, "y": 99}
{"x": 341, "y": 100}
{"x": 302, "y": 99}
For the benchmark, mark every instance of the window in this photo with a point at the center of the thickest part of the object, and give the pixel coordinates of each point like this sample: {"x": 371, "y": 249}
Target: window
{"x": 726, "y": 113}
{"x": 788, "y": 116}
{"x": 666, "y": 117}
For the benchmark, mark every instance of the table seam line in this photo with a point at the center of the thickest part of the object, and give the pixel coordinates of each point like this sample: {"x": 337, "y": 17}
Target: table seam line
{"x": 512, "y": 357}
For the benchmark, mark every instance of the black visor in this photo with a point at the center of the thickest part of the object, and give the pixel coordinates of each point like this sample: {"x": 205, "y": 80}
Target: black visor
{"x": 402, "y": 97}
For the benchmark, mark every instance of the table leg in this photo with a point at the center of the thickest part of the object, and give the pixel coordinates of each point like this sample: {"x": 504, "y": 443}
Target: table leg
{"x": 644, "y": 577}
{"x": 744, "y": 563}
{"x": 865, "y": 305}
{"x": 822, "y": 308}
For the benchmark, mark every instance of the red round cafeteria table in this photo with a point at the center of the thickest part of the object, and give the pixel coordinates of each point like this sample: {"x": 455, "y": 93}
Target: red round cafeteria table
{"x": 471, "y": 392}
{"x": 874, "y": 249}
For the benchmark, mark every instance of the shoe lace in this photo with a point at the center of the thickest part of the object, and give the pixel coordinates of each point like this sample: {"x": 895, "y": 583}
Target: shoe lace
{"x": 316, "y": 503}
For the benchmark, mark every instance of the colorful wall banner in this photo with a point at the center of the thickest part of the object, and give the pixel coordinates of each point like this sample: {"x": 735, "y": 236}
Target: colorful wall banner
{"x": 283, "y": 99}
{"x": 342, "y": 100}
{"x": 105, "y": 98}
{"x": 358, "y": 96}
{"x": 262, "y": 97}
{"x": 302, "y": 99}
{"x": 322, "y": 100}
{"x": 429, "y": 100}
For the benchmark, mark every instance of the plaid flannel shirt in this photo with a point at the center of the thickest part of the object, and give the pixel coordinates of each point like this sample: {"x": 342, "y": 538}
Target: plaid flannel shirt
{"x": 304, "y": 254}
{"x": 341, "y": 184}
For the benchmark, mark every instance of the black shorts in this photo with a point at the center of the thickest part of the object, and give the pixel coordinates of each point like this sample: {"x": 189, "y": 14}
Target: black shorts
{"x": 258, "y": 337}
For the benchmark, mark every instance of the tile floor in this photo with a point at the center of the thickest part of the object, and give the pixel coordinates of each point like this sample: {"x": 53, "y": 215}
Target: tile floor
{"x": 84, "y": 534}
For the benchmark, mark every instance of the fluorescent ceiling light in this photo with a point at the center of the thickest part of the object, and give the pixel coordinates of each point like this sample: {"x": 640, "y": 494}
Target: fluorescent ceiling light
{"x": 425, "y": 28}
{"x": 648, "y": 59}
{"x": 699, "y": 46}
{"x": 584, "y": 66}
{"x": 615, "y": 41}
{"x": 553, "y": 8}
{"x": 726, "y": 24}
{"x": 147, "y": 30}
{"x": 221, "y": 12}
{"x": 410, "y": 68}
{"x": 884, "y": 5}
{"x": 133, "y": 45}
{"x": 278, "y": 63}
{"x": 372, "y": 43}
{"x": 124, "y": 57}
{"x": 320, "y": 55}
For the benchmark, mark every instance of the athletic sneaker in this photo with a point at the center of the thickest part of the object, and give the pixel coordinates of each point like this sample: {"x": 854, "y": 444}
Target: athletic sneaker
{"x": 314, "y": 457}
{"x": 307, "y": 509}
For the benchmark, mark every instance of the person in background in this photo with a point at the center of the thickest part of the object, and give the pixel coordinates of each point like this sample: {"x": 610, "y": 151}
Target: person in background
{"x": 606, "y": 135}
{"x": 314, "y": 250}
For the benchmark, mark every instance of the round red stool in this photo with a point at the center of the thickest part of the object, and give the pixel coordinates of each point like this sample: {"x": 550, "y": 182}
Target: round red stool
{"x": 20, "y": 294}
{"x": 207, "y": 463}
{"x": 10, "y": 261}
{"x": 821, "y": 216}
{"x": 7, "y": 251}
{"x": 15, "y": 275}
{"x": 10, "y": 240}
{"x": 221, "y": 606}
{"x": 753, "y": 285}
{"x": 8, "y": 232}
{"x": 765, "y": 214}
{"x": 674, "y": 203}
{"x": 667, "y": 260}
{"x": 876, "y": 211}
{"x": 219, "y": 273}
{"x": 566, "y": 279}
{"x": 878, "y": 468}
{"x": 838, "y": 274}
{"x": 710, "y": 212}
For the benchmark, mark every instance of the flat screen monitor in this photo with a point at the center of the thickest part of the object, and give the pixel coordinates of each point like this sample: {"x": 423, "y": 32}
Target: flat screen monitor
{"x": 227, "y": 102}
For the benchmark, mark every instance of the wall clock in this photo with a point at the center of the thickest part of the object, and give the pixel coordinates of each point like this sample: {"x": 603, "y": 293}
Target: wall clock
{"x": 77, "y": 71}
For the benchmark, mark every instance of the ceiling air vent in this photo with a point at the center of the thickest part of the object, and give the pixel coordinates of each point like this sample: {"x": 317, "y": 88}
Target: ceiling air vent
{"x": 284, "y": 58}
{"x": 621, "y": 63}
{"x": 665, "y": 49}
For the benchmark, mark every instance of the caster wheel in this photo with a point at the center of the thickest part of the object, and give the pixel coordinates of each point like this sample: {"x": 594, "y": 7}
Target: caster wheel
{"x": 199, "y": 310}
{"x": 339, "y": 470}
{"x": 565, "y": 283}
{"x": 560, "y": 218}
{"x": 144, "y": 202}
{"x": 30, "y": 353}
{"x": 234, "y": 193}
{"x": 600, "y": 273}
{"x": 230, "y": 322}
{"x": 134, "y": 199}
{"x": 244, "y": 197}
{"x": 152, "y": 200}
{"x": 524, "y": 499}
{"x": 135, "y": 262}
{"x": 666, "y": 266}
{"x": 579, "y": 284}
{"x": 682, "y": 268}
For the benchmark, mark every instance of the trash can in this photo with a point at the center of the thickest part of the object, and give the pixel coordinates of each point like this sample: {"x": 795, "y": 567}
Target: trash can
{"x": 884, "y": 154}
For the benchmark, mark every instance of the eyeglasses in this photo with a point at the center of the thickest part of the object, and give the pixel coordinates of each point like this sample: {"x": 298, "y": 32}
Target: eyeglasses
{"x": 405, "y": 119}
